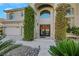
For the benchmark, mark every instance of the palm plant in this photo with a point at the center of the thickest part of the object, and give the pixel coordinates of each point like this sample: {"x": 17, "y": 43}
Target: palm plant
{"x": 65, "y": 48}
{"x": 7, "y": 46}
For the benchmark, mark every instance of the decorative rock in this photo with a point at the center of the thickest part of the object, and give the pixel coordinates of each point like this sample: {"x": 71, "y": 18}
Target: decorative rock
{"x": 23, "y": 51}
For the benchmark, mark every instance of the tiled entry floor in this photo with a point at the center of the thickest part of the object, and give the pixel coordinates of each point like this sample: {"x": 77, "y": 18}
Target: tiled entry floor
{"x": 44, "y": 44}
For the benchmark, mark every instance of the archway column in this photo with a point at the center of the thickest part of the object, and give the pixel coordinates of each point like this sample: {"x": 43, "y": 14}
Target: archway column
{"x": 54, "y": 24}
{"x": 51, "y": 22}
{"x": 53, "y": 14}
{"x": 36, "y": 29}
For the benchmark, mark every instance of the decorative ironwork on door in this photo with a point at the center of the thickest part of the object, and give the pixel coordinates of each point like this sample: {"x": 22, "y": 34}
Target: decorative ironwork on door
{"x": 44, "y": 30}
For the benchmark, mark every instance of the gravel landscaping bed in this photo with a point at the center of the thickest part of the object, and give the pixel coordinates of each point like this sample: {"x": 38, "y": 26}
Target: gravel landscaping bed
{"x": 24, "y": 51}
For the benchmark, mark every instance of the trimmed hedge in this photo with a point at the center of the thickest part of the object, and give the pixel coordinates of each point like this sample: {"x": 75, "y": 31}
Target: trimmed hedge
{"x": 61, "y": 21}
{"x": 29, "y": 24}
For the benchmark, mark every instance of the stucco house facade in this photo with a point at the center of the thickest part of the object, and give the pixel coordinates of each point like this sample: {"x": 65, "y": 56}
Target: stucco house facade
{"x": 13, "y": 25}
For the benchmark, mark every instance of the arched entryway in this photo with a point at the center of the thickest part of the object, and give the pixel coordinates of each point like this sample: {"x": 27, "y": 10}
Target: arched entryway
{"x": 44, "y": 20}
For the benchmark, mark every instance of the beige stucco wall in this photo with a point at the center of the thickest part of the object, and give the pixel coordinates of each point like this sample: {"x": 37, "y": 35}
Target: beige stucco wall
{"x": 51, "y": 21}
{"x": 74, "y": 18}
{"x": 17, "y": 16}
{"x": 39, "y": 21}
{"x": 76, "y": 15}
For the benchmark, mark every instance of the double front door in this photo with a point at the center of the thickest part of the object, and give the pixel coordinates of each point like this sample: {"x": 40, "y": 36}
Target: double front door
{"x": 45, "y": 30}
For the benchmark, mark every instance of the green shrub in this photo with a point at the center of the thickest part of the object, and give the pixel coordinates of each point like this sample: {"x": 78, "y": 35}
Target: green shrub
{"x": 29, "y": 24}
{"x": 75, "y": 30}
{"x": 65, "y": 47}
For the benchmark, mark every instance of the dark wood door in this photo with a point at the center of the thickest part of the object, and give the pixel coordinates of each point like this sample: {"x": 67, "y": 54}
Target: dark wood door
{"x": 45, "y": 30}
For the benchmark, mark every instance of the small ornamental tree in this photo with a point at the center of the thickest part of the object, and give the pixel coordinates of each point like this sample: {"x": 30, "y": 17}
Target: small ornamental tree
{"x": 29, "y": 24}
{"x": 61, "y": 22}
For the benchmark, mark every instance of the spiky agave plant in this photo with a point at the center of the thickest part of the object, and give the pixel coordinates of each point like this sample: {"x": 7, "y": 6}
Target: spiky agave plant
{"x": 65, "y": 48}
{"x": 7, "y": 46}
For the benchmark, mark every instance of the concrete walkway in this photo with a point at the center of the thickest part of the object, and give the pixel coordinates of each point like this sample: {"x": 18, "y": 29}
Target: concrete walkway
{"x": 44, "y": 44}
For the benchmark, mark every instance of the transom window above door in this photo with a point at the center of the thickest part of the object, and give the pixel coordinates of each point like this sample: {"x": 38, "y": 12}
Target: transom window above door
{"x": 45, "y": 14}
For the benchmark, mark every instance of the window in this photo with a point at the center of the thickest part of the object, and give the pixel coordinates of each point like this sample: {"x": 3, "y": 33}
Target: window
{"x": 70, "y": 11}
{"x": 11, "y": 16}
{"x": 45, "y": 14}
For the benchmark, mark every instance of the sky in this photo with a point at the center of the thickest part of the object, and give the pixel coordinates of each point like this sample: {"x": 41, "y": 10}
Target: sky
{"x": 4, "y": 6}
